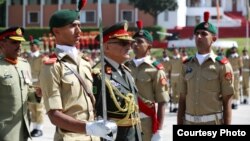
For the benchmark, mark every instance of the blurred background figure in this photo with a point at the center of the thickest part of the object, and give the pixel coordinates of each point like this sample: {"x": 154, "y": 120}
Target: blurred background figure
{"x": 236, "y": 62}
{"x": 37, "y": 110}
{"x": 245, "y": 75}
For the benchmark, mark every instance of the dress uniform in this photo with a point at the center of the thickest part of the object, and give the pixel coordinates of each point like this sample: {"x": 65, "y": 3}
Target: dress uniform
{"x": 245, "y": 75}
{"x": 176, "y": 65}
{"x": 35, "y": 60}
{"x": 15, "y": 80}
{"x": 206, "y": 82}
{"x": 120, "y": 87}
{"x": 151, "y": 82}
{"x": 66, "y": 84}
{"x": 236, "y": 62}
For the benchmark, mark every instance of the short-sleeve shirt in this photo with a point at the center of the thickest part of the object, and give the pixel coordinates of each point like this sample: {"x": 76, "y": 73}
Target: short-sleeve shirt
{"x": 204, "y": 85}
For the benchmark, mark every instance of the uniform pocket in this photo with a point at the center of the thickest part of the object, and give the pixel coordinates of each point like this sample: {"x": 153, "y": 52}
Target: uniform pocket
{"x": 211, "y": 79}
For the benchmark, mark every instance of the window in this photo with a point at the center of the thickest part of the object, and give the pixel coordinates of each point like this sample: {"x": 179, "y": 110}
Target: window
{"x": 88, "y": 16}
{"x": 127, "y": 15}
{"x": 33, "y": 17}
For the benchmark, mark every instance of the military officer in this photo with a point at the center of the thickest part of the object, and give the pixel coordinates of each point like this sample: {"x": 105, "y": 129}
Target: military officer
{"x": 15, "y": 80}
{"x": 236, "y": 62}
{"x": 176, "y": 65}
{"x": 36, "y": 109}
{"x": 245, "y": 75}
{"x": 66, "y": 84}
{"x": 151, "y": 82}
{"x": 206, "y": 84}
{"x": 120, "y": 87}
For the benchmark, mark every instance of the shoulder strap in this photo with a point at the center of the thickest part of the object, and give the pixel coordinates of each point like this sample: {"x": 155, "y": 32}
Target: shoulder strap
{"x": 82, "y": 83}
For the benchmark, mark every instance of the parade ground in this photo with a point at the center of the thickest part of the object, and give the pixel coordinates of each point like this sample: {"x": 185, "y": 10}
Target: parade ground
{"x": 241, "y": 116}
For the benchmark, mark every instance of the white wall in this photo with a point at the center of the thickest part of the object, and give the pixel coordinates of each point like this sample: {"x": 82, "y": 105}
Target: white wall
{"x": 175, "y": 18}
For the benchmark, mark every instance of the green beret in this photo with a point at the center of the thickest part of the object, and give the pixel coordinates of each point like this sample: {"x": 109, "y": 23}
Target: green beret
{"x": 206, "y": 26}
{"x": 144, "y": 34}
{"x": 36, "y": 42}
{"x": 63, "y": 17}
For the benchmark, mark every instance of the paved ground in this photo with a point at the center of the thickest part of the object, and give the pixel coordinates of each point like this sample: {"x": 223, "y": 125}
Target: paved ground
{"x": 240, "y": 116}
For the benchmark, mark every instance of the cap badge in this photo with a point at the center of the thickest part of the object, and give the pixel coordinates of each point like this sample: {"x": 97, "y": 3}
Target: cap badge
{"x": 141, "y": 32}
{"x": 125, "y": 26}
{"x": 206, "y": 25}
{"x": 19, "y": 31}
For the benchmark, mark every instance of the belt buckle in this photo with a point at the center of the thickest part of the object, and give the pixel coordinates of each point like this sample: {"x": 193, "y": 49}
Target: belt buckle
{"x": 197, "y": 119}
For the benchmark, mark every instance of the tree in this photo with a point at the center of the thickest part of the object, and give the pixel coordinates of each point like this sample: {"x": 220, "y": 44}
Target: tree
{"x": 154, "y": 7}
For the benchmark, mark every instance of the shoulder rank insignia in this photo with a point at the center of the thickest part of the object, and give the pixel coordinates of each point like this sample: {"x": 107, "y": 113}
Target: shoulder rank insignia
{"x": 187, "y": 60}
{"x": 51, "y": 60}
{"x": 221, "y": 59}
{"x": 158, "y": 65}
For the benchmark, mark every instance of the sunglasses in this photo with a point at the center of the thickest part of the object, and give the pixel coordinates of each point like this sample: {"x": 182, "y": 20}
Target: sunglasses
{"x": 202, "y": 33}
{"x": 121, "y": 43}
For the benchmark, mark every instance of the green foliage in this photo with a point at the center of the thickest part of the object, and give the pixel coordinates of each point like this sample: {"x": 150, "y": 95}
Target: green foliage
{"x": 155, "y": 7}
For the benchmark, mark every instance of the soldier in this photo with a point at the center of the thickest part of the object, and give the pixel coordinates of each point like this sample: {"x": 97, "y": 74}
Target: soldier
{"x": 206, "y": 84}
{"x": 120, "y": 87}
{"x": 176, "y": 65}
{"x": 151, "y": 82}
{"x": 66, "y": 83}
{"x": 15, "y": 80}
{"x": 236, "y": 62}
{"x": 245, "y": 75}
{"x": 165, "y": 61}
{"x": 36, "y": 109}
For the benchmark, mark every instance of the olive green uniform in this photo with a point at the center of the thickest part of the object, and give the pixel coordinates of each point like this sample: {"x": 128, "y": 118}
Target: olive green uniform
{"x": 236, "y": 63}
{"x": 203, "y": 86}
{"x": 62, "y": 91}
{"x": 121, "y": 100}
{"x": 152, "y": 88}
{"x": 245, "y": 75}
{"x": 14, "y": 86}
{"x": 176, "y": 65}
{"x": 36, "y": 109}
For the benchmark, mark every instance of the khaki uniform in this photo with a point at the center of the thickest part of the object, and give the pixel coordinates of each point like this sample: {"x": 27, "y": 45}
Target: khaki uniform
{"x": 203, "y": 86}
{"x": 121, "y": 92}
{"x": 152, "y": 88}
{"x": 176, "y": 65}
{"x": 245, "y": 75}
{"x": 36, "y": 109}
{"x": 237, "y": 64}
{"x": 62, "y": 90}
{"x": 14, "y": 86}
{"x": 167, "y": 66}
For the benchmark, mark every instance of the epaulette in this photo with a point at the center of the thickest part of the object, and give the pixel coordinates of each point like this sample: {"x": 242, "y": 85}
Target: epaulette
{"x": 86, "y": 58}
{"x": 187, "y": 60}
{"x": 51, "y": 60}
{"x": 125, "y": 67}
{"x": 158, "y": 65}
{"x": 222, "y": 59}
{"x": 22, "y": 59}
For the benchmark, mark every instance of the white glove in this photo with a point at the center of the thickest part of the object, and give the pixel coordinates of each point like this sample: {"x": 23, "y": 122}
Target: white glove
{"x": 158, "y": 136}
{"x": 102, "y": 128}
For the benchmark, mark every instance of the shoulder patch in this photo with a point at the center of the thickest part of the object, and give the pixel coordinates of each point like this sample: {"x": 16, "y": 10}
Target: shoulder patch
{"x": 221, "y": 59}
{"x": 158, "y": 65}
{"x": 187, "y": 60}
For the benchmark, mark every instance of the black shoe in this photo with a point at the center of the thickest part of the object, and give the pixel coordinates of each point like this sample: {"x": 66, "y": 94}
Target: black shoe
{"x": 36, "y": 133}
{"x": 175, "y": 110}
{"x": 245, "y": 101}
{"x": 234, "y": 106}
